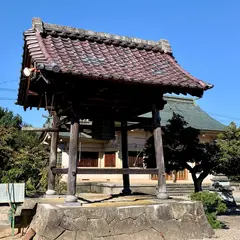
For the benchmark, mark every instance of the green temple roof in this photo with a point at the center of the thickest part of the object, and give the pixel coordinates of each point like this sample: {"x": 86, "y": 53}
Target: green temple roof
{"x": 192, "y": 113}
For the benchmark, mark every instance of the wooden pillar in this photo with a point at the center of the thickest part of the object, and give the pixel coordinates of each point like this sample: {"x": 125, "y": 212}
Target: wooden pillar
{"x": 124, "y": 137}
{"x": 72, "y": 165}
{"x": 52, "y": 159}
{"x": 157, "y": 133}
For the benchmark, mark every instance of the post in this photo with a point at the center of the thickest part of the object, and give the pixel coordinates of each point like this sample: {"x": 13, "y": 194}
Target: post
{"x": 126, "y": 184}
{"x": 52, "y": 159}
{"x": 157, "y": 133}
{"x": 72, "y": 167}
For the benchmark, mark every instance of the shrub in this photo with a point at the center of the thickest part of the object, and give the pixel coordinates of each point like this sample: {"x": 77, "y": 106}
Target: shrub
{"x": 60, "y": 186}
{"x": 212, "y": 219}
{"x": 213, "y": 205}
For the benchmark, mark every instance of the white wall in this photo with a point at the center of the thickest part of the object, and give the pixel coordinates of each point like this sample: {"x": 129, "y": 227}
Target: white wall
{"x": 136, "y": 142}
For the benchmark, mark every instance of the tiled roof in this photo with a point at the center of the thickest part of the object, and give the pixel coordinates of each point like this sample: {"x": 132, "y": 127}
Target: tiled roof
{"x": 104, "y": 56}
{"x": 193, "y": 114}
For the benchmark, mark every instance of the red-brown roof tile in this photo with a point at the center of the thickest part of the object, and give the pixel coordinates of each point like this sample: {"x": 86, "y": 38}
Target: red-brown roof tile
{"x": 105, "y": 56}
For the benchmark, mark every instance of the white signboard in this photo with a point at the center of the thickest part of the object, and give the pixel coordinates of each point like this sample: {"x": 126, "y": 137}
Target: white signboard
{"x": 12, "y": 192}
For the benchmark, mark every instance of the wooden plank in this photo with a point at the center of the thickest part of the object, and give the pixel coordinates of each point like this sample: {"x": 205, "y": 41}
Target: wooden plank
{"x": 157, "y": 133}
{"x": 73, "y": 154}
{"x": 110, "y": 159}
{"x": 108, "y": 171}
{"x": 88, "y": 162}
{"x": 135, "y": 161}
{"x": 88, "y": 159}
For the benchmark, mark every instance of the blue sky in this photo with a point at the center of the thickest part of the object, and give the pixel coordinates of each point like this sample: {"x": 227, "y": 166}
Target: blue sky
{"x": 204, "y": 35}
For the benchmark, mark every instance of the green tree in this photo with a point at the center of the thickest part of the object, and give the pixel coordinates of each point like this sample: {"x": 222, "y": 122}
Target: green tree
{"x": 228, "y": 143}
{"x": 22, "y": 157}
{"x": 181, "y": 147}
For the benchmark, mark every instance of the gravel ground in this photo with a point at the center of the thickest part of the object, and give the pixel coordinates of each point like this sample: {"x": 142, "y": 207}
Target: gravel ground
{"x": 231, "y": 233}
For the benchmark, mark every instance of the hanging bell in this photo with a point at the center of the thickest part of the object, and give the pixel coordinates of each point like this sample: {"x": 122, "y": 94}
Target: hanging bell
{"x": 103, "y": 129}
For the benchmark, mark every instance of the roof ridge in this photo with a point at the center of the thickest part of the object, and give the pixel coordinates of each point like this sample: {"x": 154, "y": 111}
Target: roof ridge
{"x": 162, "y": 45}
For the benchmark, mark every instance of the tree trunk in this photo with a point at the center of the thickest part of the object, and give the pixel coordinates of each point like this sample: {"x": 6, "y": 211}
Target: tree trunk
{"x": 197, "y": 187}
{"x": 198, "y": 181}
{"x": 174, "y": 176}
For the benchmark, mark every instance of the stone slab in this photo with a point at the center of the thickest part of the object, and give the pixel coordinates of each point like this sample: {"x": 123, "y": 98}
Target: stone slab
{"x": 147, "y": 188}
{"x": 146, "y": 219}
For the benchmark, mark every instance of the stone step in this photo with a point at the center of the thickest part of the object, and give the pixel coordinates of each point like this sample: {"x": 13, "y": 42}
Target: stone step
{"x": 174, "y": 189}
{"x": 184, "y": 190}
{"x": 184, "y": 186}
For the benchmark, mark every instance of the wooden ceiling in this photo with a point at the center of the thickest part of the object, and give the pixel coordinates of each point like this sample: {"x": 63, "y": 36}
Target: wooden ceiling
{"x": 89, "y": 98}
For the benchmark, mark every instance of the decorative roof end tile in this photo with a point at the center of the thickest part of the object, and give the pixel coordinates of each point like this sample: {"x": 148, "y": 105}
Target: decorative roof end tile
{"x": 37, "y": 24}
{"x": 165, "y": 45}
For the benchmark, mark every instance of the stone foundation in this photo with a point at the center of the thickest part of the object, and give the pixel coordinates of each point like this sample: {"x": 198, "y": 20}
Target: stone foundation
{"x": 152, "y": 219}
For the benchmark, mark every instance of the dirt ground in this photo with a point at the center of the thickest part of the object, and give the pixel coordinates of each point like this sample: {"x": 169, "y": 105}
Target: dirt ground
{"x": 6, "y": 233}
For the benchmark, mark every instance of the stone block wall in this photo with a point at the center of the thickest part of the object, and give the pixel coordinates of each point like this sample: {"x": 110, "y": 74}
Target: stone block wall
{"x": 170, "y": 220}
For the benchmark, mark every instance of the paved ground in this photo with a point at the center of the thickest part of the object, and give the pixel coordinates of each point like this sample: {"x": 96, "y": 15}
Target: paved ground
{"x": 233, "y": 233}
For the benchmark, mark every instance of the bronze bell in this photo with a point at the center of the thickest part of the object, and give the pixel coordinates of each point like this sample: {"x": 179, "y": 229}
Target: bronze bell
{"x": 103, "y": 129}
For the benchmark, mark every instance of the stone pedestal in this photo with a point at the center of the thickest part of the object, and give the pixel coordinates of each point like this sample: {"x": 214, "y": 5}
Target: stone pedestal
{"x": 221, "y": 185}
{"x": 162, "y": 195}
{"x": 222, "y": 179}
{"x": 168, "y": 219}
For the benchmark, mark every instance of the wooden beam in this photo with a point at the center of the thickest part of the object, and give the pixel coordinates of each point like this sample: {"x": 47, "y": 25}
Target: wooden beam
{"x": 65, "y": 111}
{"x": 52, "y": 159}
{"x": 33, "y": 129}
{"x": 108, "y": 170}
{"x": 124, "y": 137}
{"x": 137, "y": 126}
{"x": 142, "y": 120}
{"x": 157, "y": 133}
{"x": 63, "y": 121}
{"x": 72, "y": 164}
